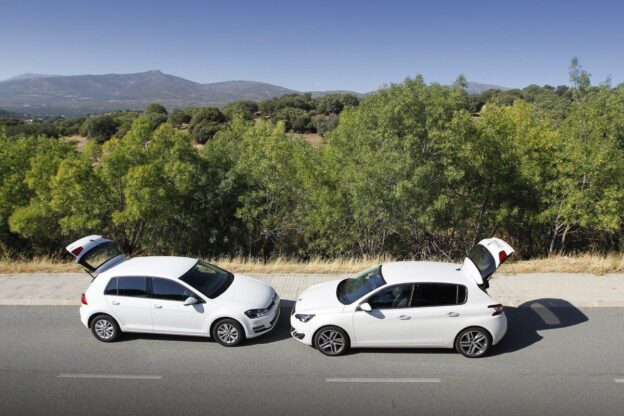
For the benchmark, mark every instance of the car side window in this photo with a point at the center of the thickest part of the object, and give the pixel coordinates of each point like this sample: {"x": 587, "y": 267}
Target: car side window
{"x": 111, "y": 287}
{"x": 398, "y": 296}
{"x": 438, "y": 294}
{"x": 132, "y": 286}
{"x": 169, "y": 290}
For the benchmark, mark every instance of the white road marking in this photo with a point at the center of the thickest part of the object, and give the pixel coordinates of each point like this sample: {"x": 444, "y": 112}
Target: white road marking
{"x": 382, "y": 380}
{"x": 619, "y": 380}
{"x": 110, "y": 376}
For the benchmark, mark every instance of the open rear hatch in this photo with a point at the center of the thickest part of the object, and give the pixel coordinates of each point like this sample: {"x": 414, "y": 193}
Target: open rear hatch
{"x": 484, "y": 258}
{"x": 95, "y": 253}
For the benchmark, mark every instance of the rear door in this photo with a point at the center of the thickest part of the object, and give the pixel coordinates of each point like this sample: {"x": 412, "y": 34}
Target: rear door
{"x": 127, "y": 298}
{"x": 169, "y": 314}
{"x": 484, "y": 258}
{"x": 439, "y": 313}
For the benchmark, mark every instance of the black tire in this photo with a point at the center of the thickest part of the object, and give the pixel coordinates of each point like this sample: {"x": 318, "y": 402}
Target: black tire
{"x": 104, "y": 328}
{"x": 331, "y": 341}
{"x": 473, "y": 342}
{"x": 228, "y": 332}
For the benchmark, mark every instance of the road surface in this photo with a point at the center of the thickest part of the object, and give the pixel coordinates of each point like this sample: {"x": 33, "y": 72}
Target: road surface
{"x": 555, "y": 360}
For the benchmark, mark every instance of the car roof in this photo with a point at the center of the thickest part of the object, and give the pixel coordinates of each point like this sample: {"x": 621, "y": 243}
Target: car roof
{"x": 422, "y": 271}
{"x": 153, "y": 266}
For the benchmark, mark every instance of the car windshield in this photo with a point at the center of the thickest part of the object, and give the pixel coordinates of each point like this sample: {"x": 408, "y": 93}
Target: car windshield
{"x": 483, "y": 260}
{"x": 352, "y": 289}
{"x": 99, "y": 255}
{"x": 208, "y": 279}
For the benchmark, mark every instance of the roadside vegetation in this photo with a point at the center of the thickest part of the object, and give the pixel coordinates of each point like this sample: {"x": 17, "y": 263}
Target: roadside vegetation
{"x": 413, "y": 171}
{"x": 585, "y": 263}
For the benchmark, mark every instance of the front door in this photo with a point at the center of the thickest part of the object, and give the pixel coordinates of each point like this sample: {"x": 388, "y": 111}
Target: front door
{"x": 390, "y": 321}
{"x": 170, "y": 315}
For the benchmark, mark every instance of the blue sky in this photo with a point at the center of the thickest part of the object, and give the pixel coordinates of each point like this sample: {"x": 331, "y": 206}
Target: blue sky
{"x": 316, "y": 45}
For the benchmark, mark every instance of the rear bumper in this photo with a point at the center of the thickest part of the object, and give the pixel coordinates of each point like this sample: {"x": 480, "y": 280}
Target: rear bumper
{"x": 498, "y": 328}
{"x": 84, "y": 315}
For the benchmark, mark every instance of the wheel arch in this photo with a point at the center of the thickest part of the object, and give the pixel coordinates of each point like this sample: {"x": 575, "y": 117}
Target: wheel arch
{"x": 94, "y": 314}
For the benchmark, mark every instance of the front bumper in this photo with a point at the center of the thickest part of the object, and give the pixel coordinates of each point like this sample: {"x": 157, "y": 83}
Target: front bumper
{"x": 301, "y": 331}
{"x": 259, "y": 326}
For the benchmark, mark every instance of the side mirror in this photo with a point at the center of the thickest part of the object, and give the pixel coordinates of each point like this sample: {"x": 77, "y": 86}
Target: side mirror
{"x": 365, "y": 307}
{"x": 190, "y": 301}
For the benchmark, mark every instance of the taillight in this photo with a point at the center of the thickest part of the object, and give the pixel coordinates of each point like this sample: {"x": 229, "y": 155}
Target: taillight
{"x": 83, "y": 299}
{"x": 498, "y": 309}
{"x": 502, "y": 256}
{"x": 77, "y": 251}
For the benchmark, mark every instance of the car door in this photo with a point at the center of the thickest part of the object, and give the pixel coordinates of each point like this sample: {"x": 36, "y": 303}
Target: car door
{"x": 169, "y": 313}
{"x": 439, "y": 313}
{"x": 126, "y": 296}
{"x": 389, "y": 321}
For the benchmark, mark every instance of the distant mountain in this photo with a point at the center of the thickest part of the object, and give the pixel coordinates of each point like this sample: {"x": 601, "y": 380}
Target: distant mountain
{"x": 42, "y": 95}
{"x": 81, "y": 94}
{"x": 478, "y": 88}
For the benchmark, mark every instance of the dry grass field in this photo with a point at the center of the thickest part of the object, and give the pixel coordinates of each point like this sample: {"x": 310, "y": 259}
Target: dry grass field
{"x": 586, "y": 263}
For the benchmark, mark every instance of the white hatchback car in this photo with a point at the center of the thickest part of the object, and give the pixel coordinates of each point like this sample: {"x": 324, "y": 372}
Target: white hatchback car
{"x": 170, "y": 295}
{"x": 407, "y": 304}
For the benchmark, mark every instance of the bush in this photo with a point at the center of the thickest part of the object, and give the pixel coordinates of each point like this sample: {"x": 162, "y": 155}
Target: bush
{"x": 177, "y": 117}
{"x": 100, "y": 128}
{"x": 155, "y": 108}
{"x": 295, "y": 119}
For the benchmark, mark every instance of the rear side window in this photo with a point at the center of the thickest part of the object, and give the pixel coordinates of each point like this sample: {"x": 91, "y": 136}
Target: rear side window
{"x": 111, "y": 287}
{"x": 438, "y": 294}
{"x": 393, "y": 297}
{"x": 169, "y": 290}
{"x": 132, "y": 286}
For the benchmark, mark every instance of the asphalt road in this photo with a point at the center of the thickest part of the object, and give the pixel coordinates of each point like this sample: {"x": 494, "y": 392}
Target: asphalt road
{"x": 554, "y": 360}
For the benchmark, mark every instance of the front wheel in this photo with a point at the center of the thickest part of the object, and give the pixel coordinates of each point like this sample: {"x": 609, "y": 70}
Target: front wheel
{"x": 105, "y": 328}
{"x": 228, "y": 333}
{"x": 331, "y": 341}
{"x": 473, "y": 342}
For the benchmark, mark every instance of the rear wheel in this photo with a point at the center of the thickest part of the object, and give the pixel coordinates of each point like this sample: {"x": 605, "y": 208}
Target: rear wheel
{"x": 331, "y": 341}
{"x": 228, "y": 333}
{"x": 105, "y": 328}
{"x": 473, "y": 342}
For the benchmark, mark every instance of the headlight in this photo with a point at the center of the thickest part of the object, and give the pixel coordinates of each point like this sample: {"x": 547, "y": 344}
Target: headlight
{"x": 256, "y": 313}
{"x": 303, "y": 317}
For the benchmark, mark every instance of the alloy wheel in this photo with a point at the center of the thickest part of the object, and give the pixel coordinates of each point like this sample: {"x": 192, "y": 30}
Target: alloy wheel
{"x": 473, "y": 343}
{"x": 227, "y": 333}
{"x": 104, "y": 329}
{"x": 331, "y": 342}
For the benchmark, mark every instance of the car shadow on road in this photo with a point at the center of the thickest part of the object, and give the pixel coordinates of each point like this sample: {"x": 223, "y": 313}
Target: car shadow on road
{"x": 526, "y": 322}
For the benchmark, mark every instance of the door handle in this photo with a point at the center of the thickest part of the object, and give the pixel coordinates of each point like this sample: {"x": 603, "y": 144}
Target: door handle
{"x": 405, "y": 317}
{"x": 453, "y": 314}
{"x": 158, "y": 306}
{"x": 115, "y": 302}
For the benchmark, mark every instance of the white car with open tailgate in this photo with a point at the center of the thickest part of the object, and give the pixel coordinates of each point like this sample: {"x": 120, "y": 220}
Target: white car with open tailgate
{"x": 407, "y": 304}
{"x": 170, "y": 295}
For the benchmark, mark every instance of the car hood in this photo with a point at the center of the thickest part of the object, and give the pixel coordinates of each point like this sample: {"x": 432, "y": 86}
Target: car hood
{"x": 248, "y": 292}
{"x": 319, "y": 298}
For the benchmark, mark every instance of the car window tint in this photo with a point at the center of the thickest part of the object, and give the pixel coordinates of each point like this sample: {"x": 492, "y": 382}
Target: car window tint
{"x": 438, "y": 294}
{"x": 168, "y": 289}
{"x": 111, "y": 287}
{"x": 131, "y": 286}
{"x": 393, "y": 297}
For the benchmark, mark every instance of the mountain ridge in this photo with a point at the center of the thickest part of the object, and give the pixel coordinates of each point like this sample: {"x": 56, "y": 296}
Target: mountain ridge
{"x": 40, "y": 94}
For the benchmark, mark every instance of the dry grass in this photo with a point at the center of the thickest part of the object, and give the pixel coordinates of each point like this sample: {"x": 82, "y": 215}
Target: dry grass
{"x": 585, "y": 263}
{"x": 77, "y": 141}
{"x": 313, "y": 138}
{"x": 582, "y": 263}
